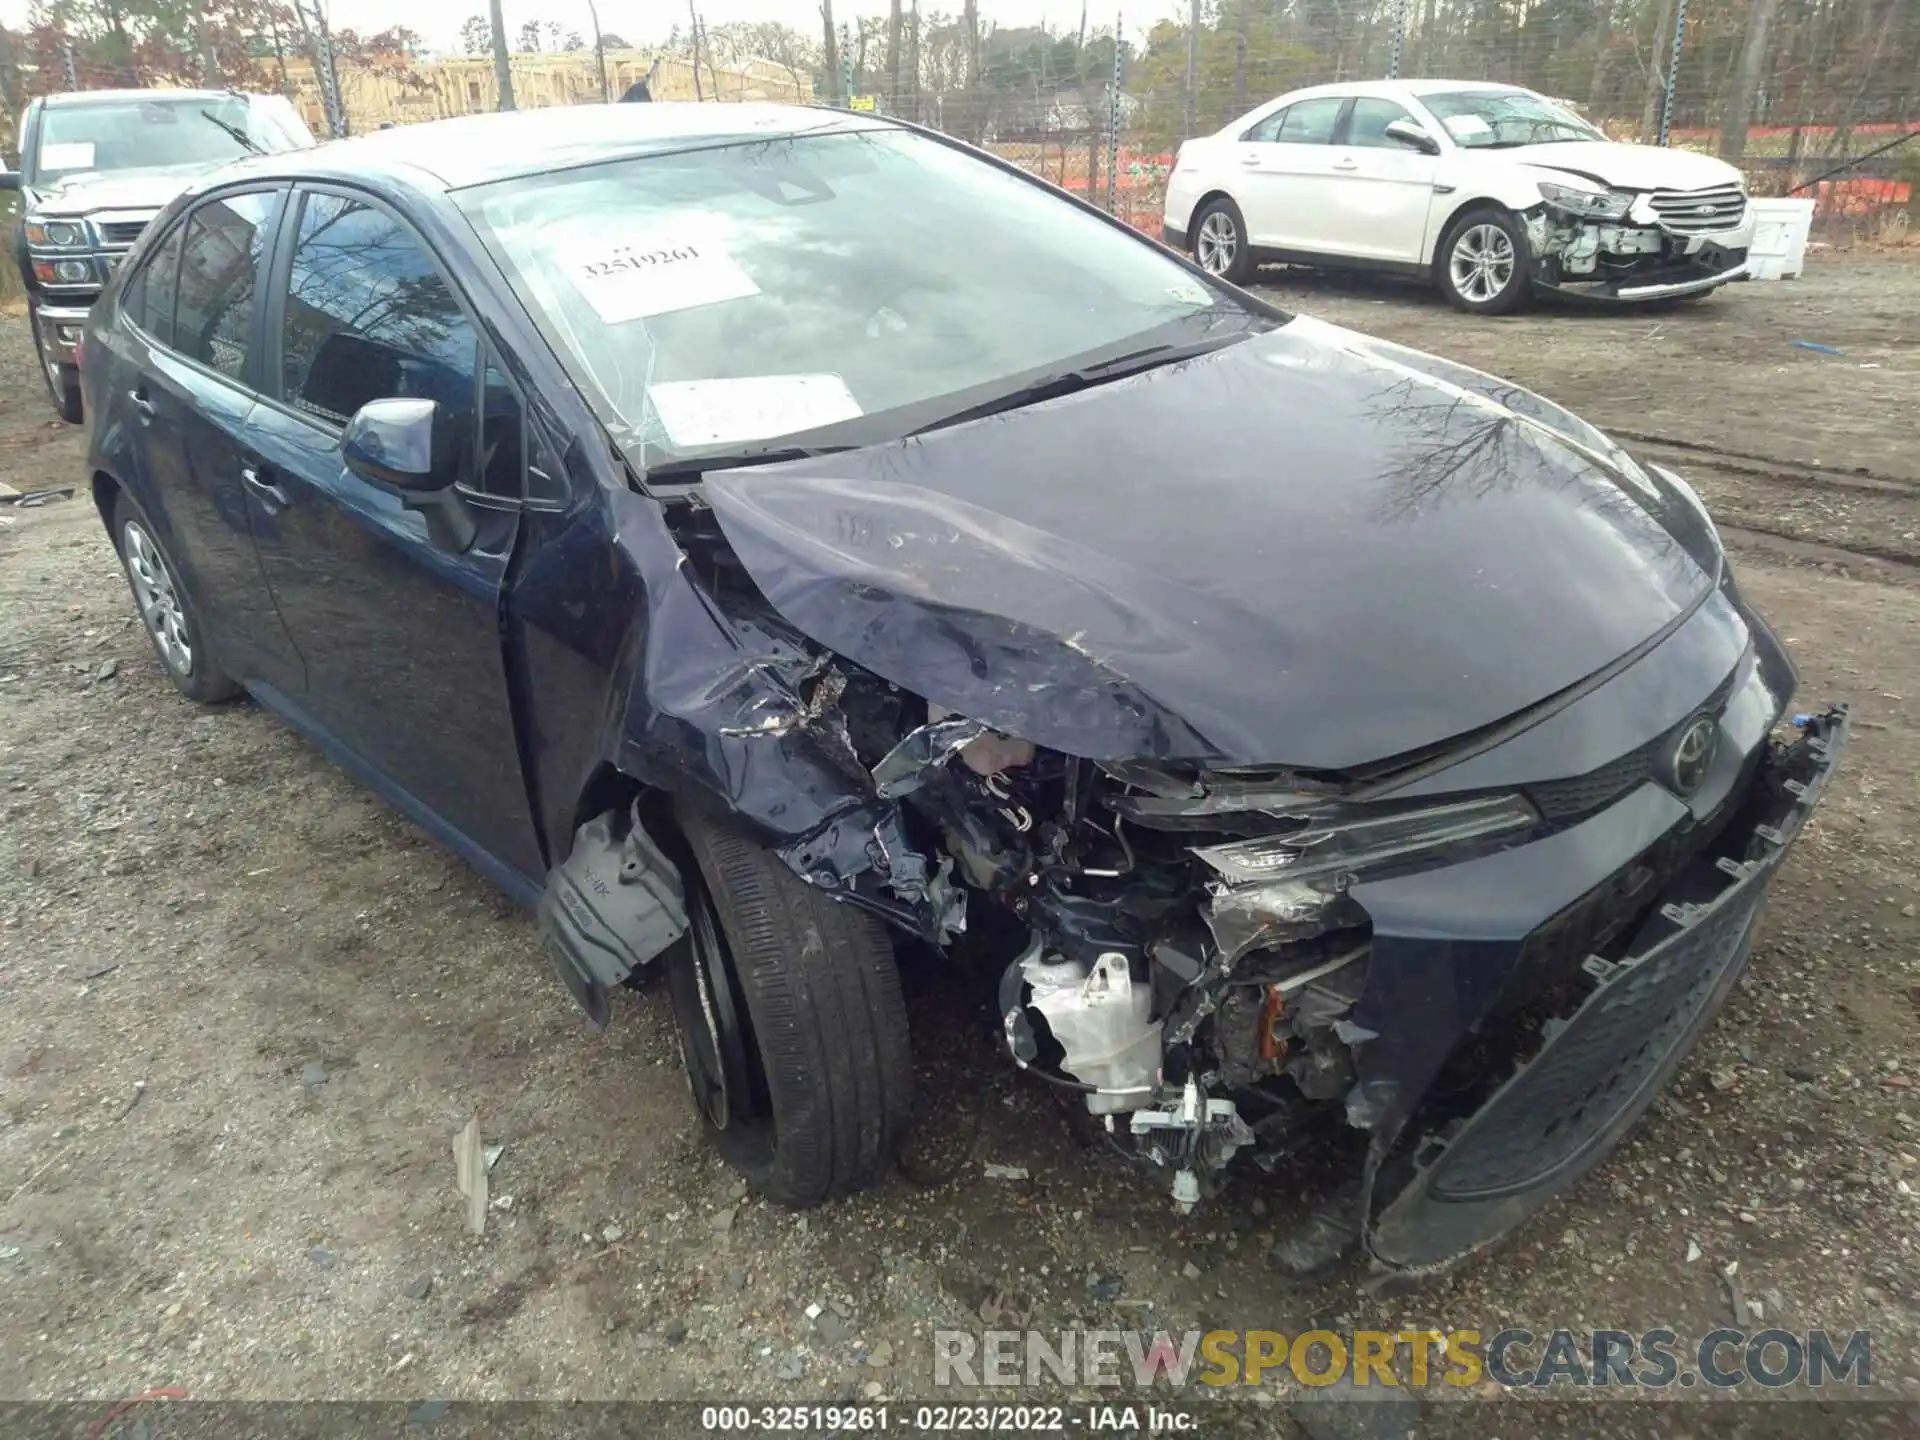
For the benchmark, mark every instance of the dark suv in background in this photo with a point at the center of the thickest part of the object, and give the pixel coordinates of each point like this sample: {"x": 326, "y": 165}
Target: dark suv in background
{"x": 94, "y": 167}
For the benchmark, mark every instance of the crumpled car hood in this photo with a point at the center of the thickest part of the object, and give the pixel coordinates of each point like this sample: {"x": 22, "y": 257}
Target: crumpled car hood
{"x": 1306, "y": 549}
{"x": 1631, "y": 167}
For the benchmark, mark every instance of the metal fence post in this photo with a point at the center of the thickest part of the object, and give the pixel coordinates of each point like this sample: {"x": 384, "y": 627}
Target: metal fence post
{"x": 1673, "y": 67}
{"x": 1113, "y": 119}
{"x": 1399, "y": 39}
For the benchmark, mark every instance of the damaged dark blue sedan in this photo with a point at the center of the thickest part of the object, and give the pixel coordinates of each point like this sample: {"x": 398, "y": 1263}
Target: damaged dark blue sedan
{"x": 759, "y": 538}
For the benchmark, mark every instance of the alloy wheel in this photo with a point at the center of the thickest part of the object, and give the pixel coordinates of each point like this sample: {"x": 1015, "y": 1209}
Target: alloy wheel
{"x": 158, "y": 597}
{"x": 1482, "y": 262}
{"x": 1217, "y": 244}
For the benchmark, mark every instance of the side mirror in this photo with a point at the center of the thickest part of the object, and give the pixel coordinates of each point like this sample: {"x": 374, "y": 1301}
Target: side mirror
{"x": 390, "y": 442}
{"x": 398, "y": 444}
{"x": 1408, "y": 133}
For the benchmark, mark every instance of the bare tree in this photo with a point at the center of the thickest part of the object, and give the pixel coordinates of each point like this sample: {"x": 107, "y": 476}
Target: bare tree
{"x": 1746, "y": 80}
{"x": 893, "y": 56}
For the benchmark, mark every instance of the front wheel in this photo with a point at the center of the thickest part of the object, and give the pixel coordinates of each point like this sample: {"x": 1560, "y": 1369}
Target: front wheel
{"x": 792, "y": 1027}
{"x": 63, "y": 381}
{"x": 1219, "y": 241}
{"x": 1483, "y": 266}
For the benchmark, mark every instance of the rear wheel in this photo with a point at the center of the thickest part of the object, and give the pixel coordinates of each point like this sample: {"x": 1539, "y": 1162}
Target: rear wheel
{"x": 1483, "y": 265}
{"x": 792, "y": 1028}
{"x": 165, "y": 609}
{"x": 1219, "y": 241}
{"x": 62, "y": 381}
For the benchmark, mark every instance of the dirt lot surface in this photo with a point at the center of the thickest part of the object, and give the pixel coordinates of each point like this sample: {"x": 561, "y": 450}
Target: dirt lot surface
{"x": 243, "y": 1010}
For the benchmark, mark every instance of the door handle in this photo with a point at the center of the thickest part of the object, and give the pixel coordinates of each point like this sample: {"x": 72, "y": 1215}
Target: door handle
{"x": 1252, "y": 162}
{"x": 141, "y": 403}
{"x": 1346, "y": 164}
{"x": 269, "y": 493}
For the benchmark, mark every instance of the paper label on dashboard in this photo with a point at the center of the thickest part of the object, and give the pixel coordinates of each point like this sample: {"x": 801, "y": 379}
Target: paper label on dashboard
{"x": 755, "y": 407}
{"x": 1463, "y": 127}
{"x": 656, "y": 272}
{"x": 67, "y": 155}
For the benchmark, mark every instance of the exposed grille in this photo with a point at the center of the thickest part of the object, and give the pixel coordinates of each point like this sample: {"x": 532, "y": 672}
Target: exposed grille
{"x": 121, "y": 232}
{"x": 1696, "y": 212}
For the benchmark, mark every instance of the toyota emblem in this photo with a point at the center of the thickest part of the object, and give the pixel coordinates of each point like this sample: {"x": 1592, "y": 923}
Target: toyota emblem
{"x": 1692, "y": 754}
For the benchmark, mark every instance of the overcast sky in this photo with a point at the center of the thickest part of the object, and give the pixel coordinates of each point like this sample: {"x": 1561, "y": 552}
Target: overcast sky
{"x": 438, "y": 21}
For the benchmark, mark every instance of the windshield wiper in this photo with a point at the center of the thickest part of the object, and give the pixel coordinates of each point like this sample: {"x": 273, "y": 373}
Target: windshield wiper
{"x": 246, "y": 141}
{"x": 687, "y": 467}
{"x": 1085, "y": 377}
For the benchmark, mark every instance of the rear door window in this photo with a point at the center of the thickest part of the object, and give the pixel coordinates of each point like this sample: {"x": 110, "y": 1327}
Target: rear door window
{"x": 1311, "y": 122}
{"x": 219, "y": 280}
{"x": 156, "y": 283}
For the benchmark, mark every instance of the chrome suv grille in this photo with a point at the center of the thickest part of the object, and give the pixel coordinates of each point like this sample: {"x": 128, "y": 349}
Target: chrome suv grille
{"x": 1695, "y": 212}
{"x": 121, "y": 232}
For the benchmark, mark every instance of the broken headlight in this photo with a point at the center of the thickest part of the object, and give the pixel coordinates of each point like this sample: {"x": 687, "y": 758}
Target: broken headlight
{"x": 1292, "y": 886}
{"x": 1587, "y": 204}
{"x": 1344, "y": 842}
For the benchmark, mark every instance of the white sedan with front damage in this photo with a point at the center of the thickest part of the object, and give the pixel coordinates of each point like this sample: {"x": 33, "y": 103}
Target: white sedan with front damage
{"x": 1492, "y": 192}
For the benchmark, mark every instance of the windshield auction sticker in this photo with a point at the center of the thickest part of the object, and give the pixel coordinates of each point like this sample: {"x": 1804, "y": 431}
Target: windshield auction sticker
{"x": 752, "y": 407}
{"x": 656, "y": 272}
{"x": 67, "y": 155}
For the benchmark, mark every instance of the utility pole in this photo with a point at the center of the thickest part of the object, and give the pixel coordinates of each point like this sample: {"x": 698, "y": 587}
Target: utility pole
{"x": 1193, "y": 67}
{"x": 693, "y": 17}
{"x": 832, "y": 52}
{"x": 599, "y": 51}
{"x": 502, "y": 71}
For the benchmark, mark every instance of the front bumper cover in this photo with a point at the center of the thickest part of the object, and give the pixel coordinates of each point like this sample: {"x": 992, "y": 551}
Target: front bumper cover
{"x": 57, "y": 323}
{"x": 1599, "y": 1069}
{"x": 1708, "y": 267}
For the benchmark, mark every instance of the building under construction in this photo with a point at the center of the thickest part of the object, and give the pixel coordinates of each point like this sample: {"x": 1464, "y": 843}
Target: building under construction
{"x": 401, "y": 92}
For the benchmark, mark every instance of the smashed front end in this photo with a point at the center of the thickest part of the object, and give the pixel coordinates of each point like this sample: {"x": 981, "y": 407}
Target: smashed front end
{"x": 1485, "y": 964}
{"x": 1537, "y": 795}
{"x": 1628, "y": 246}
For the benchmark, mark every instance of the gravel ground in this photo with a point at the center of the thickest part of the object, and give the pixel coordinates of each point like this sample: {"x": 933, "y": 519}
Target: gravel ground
{"x": 243, "y": 1010}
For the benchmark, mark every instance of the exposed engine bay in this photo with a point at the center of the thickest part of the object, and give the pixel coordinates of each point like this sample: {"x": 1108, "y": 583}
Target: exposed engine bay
{"x": 1199, "y": 1007}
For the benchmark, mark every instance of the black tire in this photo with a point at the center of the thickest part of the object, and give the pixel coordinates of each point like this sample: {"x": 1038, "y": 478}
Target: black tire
{"x": 196, "y": 674}
{"x": 1227, "y": 222}
{"x": 792, "y": 1027}
{"x": 1473, "y": 226}
{"x": 62, "y": 381}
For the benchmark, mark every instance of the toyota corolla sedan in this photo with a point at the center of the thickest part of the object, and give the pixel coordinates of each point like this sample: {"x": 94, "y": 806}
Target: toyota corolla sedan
{"x": 763, "y": 540}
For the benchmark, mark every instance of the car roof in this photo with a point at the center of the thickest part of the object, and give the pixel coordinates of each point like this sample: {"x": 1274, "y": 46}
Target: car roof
{"x": 477, "y": 149}
{"x": 98, "y": 97}
{"x": 1387, "y": 89}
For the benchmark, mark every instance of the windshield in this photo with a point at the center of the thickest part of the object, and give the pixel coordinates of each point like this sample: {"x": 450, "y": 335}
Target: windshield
{"x": 151, "y": 134}
{"x": 856, "y": 281}
{"x": 1505, "y": 119}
